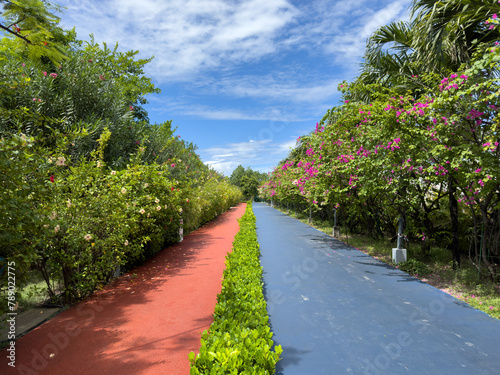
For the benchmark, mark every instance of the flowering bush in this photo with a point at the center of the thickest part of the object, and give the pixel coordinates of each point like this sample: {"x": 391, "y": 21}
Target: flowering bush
{"x": 405, "y": 156}
{"x": 88, "y": 185}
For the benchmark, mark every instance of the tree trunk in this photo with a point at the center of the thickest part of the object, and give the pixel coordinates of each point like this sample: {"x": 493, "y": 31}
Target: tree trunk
{"x": 453, "y": 205}
{"x": 487, "y": 234}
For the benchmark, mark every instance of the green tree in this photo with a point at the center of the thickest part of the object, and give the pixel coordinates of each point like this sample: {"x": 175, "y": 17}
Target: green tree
{"x": 32, "y": 26}
{"x": 237, "y": 175}
{"x": 249, "y": 185}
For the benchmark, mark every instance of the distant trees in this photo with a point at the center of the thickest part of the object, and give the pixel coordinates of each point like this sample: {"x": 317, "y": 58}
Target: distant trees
{"x": 247, "y": 180}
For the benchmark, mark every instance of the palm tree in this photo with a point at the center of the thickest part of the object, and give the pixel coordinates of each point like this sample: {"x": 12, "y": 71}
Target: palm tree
{"x": 448, "y": 32}
{"x": 441, "y": 36}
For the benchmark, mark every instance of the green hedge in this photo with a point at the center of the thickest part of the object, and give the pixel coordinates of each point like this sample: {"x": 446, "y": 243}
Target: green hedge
{"x": 240, "y": 339}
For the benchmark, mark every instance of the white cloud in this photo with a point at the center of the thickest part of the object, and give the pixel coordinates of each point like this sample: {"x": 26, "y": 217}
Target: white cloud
{"x": 185, "y": 36}
{"x": 188, "y": 37}
{"x": 348, "y": 45}
{"x": 270, "y": 88}
{"x": 256, "y": 153}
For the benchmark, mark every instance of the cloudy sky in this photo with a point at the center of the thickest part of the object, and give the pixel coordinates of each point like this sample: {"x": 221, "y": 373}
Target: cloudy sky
{"x": 242, "y": 79}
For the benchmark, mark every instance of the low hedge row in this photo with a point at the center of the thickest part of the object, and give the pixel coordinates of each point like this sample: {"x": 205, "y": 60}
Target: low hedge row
{"x": 240, "y": 339}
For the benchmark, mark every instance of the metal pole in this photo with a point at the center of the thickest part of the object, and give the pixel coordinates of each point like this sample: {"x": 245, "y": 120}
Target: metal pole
{"x": 400, "y": 234}
{"x": 181, "y": 230}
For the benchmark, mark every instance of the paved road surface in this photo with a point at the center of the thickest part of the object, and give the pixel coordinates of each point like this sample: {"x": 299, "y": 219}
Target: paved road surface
{"x": 336, "y": 310}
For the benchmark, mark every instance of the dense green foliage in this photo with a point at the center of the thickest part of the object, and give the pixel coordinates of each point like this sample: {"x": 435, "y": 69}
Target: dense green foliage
{"x": 88, "y": 184}
{"x": 239, "y": 341}
{"x": 428, "y": 154}
{"x": 247, "y": 180}
{"x": 33, "y": 28}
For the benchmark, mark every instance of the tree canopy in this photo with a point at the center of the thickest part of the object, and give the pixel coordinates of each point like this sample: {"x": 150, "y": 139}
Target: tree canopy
{"x": 247, "y": 179}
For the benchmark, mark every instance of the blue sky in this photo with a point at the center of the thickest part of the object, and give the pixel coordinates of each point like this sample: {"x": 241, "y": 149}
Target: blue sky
{"x": 241, "y": 79}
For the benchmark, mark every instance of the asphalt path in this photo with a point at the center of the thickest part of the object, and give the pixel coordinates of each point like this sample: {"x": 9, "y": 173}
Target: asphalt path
{"x": 336, "y": 310}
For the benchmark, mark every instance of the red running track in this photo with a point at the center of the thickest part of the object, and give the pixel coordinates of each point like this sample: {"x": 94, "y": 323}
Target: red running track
{"x": 142, "y": 325}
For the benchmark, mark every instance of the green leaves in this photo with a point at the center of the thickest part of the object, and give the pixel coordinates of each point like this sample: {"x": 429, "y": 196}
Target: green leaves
{"x": 240, "y": 340}
{"x": 32, "y": 26}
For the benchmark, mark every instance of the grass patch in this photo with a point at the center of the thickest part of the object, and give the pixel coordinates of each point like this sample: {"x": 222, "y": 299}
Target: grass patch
{"x": 434, "y": 268}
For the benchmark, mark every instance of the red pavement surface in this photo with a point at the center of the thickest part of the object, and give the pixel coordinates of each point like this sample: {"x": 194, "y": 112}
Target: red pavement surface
{"x": 139, "y": 325}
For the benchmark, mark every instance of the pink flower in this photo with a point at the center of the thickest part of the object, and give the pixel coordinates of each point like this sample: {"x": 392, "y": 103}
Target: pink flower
{"x": 495, "y": 15}
{"x": 477, "y": 170}
{"x": 44, "y": 74}
{"x": 53, "y": 75}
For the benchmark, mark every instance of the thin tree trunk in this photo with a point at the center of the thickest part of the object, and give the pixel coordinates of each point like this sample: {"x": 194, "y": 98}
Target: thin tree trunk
{"x": 453, "y": 205}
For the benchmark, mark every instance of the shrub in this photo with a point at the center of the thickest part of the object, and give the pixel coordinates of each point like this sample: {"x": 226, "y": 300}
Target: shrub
{"x": 240, "y": 337}
{"x": 414, "y": 267}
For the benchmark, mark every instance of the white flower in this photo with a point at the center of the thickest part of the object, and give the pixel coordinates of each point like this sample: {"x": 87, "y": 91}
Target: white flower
{"x": 180, "y": 209}
{"x": 61, "y": 160}
{"x": 98, "y": 164}
{"x": 126, "y": 243}
{"x": 123, "y": 191}
{"x": 157, "y": 200}
{"x": 88, "y": 237}
{"x": 113, "y": 173}
{"x": 158, "y": 208}
{"x": 56, "y": 229}
{"x": 142, "y": 211}
{"x": 146, "y": 185}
